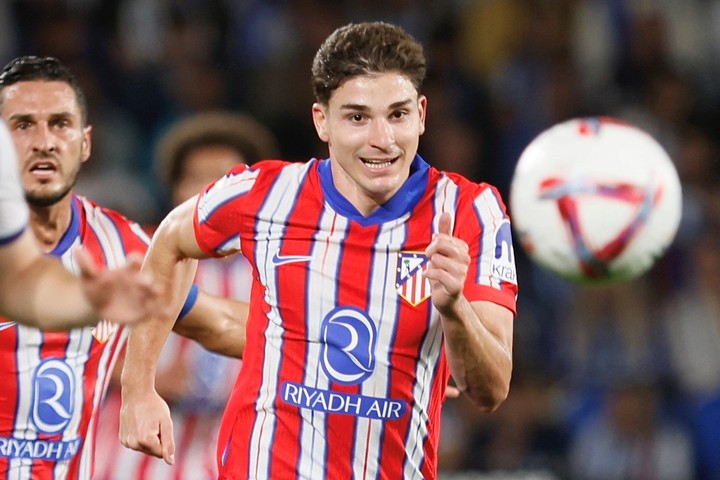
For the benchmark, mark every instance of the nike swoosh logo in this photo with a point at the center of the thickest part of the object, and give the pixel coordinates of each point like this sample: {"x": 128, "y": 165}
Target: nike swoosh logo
{"x": 278, "y": 259}
{"x": 4, "y": 325}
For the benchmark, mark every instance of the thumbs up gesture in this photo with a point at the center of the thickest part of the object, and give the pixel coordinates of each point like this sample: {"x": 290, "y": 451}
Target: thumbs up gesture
{"x": 448, "y": 268}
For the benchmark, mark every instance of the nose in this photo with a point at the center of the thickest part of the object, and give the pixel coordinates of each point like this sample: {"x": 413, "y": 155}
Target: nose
{"x": 381, "y": 134}
{"x": 44, "y": 139}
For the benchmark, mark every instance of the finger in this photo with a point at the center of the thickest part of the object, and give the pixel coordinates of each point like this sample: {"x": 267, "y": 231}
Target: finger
{"x": 167, "y": 441}
{"x": 88, "y": 268}
{"x": 134, "y": 261}
{"x": 452, "y": 392}
{"x": 445, "y": 224}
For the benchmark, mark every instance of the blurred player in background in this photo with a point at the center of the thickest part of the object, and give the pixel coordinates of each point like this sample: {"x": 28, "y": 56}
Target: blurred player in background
{"x": 196, "y": 383}
{"x": 375, "y": 277}
{"x": 53, "y": 383}
{"x": 38, "y": 291}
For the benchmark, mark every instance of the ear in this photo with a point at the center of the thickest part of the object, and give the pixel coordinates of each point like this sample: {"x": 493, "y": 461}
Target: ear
{"x": 320, "y": 121}
{"x": 86, "y": 145}
{"x": 422, "y": 111}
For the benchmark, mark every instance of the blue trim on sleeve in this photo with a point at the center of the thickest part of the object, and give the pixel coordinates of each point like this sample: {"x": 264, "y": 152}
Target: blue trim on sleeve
{"x": 189, "y": 301}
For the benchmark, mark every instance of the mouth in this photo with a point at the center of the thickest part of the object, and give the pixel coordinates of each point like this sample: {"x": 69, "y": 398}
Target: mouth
{"x": 42, "y": 169}
{"x": 378, "y": 163}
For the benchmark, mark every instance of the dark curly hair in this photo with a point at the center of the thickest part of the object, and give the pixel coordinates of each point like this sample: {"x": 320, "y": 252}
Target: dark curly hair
{"x": 362, "y": 49}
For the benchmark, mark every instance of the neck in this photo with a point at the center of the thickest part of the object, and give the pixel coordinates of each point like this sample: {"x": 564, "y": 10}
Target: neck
{"x": 50, "y": 223}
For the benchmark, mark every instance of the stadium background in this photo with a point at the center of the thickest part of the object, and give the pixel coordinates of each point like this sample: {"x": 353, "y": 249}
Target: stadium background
{"x": 606, "y": 380}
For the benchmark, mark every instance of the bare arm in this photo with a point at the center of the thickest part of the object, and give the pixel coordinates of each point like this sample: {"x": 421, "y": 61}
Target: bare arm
{"x": 216, "y": 323}
{"x": 145, "y": 419}
{"x": 478, "y": 335}
{"x": 38, "y": 291}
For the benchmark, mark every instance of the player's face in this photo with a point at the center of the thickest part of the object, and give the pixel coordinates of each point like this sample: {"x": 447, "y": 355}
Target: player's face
{"x": 372, "y": 125}
{"x": 46, "y": 126}
{"x": 204, "y": 165}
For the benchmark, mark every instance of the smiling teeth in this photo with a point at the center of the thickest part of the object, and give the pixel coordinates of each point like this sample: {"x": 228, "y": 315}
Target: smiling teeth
{"x": 378, "y": 165}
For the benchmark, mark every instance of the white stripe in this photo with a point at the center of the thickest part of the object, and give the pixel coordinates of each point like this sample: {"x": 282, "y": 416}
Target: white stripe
{"x": 28, "y": 357}
{"x": 491, "y": 217}
{"x": 224, "y": 190}
{"x": 322, "y": 285}
{"x": 445, "y": 201}
{"x": 277, "y": 206}
{"x": 383, "y": 309}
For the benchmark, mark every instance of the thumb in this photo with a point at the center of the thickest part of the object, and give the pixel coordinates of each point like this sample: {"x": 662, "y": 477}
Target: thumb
{"x": 167, "y": 442}
{"x": 445, "y": 224}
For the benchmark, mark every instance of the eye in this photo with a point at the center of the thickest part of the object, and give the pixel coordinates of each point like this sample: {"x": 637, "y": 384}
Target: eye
{"x": 398, "y": 114}
{"x": 357, "y": 117}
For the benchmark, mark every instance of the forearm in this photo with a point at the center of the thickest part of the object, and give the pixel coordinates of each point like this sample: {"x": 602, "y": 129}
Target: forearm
{"x": 478, "y": 346}
{"x": 218, "y": 324}
{"x": 174, "y": 273}
{"x": 30, "y": 279}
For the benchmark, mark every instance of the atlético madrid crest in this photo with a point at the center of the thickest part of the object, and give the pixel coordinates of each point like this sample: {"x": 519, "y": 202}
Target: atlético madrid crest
{"x": 411, "y": 283}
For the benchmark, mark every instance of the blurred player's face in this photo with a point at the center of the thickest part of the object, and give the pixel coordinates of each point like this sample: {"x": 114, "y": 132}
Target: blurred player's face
{"x": 51, "y": 141}
{"x": 372, "y": 125}
{"x": 203, "y": 165}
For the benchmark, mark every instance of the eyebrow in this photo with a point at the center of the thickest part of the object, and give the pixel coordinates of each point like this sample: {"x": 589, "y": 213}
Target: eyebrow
{"x": 362, "y": 108}
{"x": 31, "y": 116}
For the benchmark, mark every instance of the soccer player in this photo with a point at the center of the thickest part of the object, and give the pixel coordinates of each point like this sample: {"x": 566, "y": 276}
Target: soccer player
{"x": 54, "y": 382}
{"x": 196, "y": 383}
{"x": 376, "y": 278}
{"x": 38, "y": 291}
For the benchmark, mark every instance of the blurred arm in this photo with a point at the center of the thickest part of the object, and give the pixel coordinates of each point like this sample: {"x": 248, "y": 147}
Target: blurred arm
{"x": 37, "y": 290}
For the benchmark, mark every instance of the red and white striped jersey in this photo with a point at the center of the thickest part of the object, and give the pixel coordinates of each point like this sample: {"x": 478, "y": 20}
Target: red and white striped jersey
{"x": 53, "y": 382}
{"x": 207, "y": 380}
{"x": 13, "y": 209}
{"x": 344, "y": 369}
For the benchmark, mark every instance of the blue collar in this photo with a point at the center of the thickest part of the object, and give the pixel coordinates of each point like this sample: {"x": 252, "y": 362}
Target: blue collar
{"x": 71, "y": 233}
{"x": 401, "y": 203}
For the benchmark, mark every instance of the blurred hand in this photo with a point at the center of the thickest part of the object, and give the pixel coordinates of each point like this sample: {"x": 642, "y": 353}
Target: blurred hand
{"x": 121, "y": 295}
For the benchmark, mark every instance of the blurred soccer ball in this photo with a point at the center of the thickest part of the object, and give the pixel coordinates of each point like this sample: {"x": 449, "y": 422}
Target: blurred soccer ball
{"x": 595, "y": 200}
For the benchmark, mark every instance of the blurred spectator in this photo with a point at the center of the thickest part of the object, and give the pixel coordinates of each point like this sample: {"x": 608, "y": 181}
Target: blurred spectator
{"x": 524, "y": 435}
{"x": 692, "y": 318}
{"x": 631, "y": 438}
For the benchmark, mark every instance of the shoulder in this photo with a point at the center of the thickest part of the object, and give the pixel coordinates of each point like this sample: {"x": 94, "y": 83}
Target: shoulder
{"x": 103, "y": 219}
{"x": 265, "y": 173}
{"x": 467, "y": 189}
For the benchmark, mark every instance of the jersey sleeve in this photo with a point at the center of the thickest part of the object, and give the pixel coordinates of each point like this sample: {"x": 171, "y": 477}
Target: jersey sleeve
{"x": 485, "y": 225}
{"x": 218, "y": 211}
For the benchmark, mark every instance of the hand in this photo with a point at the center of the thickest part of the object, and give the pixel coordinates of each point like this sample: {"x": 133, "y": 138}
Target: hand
{"x": 449, "y": 262}
{"x": 121, "y": 295}
{"x": 146, "y": 426}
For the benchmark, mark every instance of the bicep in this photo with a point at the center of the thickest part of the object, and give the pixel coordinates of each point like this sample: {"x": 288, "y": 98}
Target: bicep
{"x": 177, "y": 232}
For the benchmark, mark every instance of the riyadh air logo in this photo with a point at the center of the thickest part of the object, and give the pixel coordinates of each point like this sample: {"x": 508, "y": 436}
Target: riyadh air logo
{"x": 54, "y": 389}
{"x": 349, "y": 339}
{"x": 348, "y": 345}
{"x": 411, "y": 283}
{"x": 503, "y": 265}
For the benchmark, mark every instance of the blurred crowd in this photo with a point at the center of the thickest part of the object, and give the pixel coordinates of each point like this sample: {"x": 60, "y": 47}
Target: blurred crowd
{"x": 617, "y": 382}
